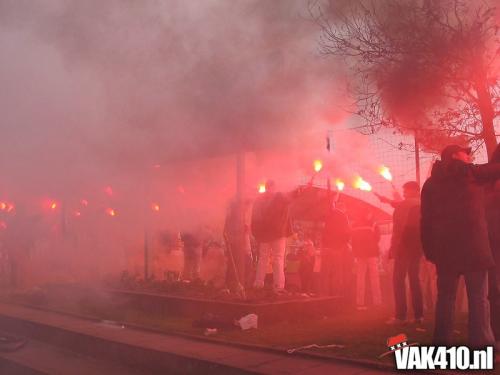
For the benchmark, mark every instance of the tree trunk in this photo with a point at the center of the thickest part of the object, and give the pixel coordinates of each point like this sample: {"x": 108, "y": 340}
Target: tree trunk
{"x": 487, "y": 115}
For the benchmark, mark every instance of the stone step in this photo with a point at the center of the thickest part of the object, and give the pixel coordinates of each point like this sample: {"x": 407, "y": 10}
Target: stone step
{"x": 158, "y": 353}
{"x": 40, "y": 358}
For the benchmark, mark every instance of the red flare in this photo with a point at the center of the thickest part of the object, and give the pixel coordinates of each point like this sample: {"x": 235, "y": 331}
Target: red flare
{"x": 262, "y": 188}
{"x": 318, "y": 165}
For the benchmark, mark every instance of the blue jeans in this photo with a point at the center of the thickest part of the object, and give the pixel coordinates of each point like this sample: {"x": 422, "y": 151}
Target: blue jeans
{"x": 407, "y": 265}
{"x": 476, "y": 283}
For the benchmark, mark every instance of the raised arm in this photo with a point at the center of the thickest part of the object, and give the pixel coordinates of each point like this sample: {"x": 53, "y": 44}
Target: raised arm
{"x": 485, "y": 172}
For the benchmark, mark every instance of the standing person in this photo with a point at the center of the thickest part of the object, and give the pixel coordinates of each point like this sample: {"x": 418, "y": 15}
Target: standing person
{"x": 271, "y": 226}
{"x": 365, "y": 239}
{"x": 455, "y": 238}
{"x": 307, "y": 255}
{"x": 406, "y": 249}
{"x": 18, "y": 243}
{"x": 334, "y": 246}
{"x": 237, "y": 234}
{"x": 493, "y": 217}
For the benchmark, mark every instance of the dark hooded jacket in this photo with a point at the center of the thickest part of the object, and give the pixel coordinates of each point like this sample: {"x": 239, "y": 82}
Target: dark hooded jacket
{"x": 270, "y": 217}
{"x": 454, "y": 231}
{"x": 493, "y": 217}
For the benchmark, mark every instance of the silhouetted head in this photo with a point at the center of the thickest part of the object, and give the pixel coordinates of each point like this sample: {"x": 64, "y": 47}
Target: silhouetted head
{"x": 456, "y": 152}
{"x": 411, "y": 189}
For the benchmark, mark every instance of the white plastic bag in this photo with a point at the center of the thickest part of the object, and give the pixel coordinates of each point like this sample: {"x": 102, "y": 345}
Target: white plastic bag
{"x": 248, "y": 321}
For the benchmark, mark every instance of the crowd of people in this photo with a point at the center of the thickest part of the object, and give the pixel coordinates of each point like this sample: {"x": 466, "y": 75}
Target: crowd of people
{"x": 454, "y": 223}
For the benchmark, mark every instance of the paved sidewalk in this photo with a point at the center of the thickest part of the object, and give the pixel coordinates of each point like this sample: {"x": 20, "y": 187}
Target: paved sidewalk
{"x": 246, "y": 360}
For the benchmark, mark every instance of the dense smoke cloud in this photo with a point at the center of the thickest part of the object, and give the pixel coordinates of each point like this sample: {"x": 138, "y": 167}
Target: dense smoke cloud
{"x": 95, "y": 94}
{"x": 144, "y": 82}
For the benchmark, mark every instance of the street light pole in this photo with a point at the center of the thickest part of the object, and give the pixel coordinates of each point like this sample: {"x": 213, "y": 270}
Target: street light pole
{"x": 417, "y": 159}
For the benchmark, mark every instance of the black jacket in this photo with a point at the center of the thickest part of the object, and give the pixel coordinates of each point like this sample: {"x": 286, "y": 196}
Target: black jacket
{"x": 270, "y": 217}
{"x": 493, "y": 217}
{"x": 337, "y": 231}
{"x": 405, "y": 240}
{"x": 365, "y": 239}
{"x": 454, "y": 231}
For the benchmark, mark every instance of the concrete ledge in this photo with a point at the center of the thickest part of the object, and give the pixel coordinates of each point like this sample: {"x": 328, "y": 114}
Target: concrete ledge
{"x": 268, "y": 312}
{"x": 158, "y": 353}
{"x": 10, "y": 367}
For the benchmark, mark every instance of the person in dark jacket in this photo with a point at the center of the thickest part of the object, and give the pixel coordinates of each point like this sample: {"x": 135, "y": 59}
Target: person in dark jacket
{"x": 365, "y": 239}
{"x": 454, "y": 236}
{"x": 406, "y": 250}
{"x": 334, "y": 246}
{"x": 271, "y": 226}
{"x": 493, "y": 217}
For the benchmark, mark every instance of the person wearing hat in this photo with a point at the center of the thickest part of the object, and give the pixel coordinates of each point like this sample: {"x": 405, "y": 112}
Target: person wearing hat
{"x": 454, "y": 235}
{"x": 406, "y": 250}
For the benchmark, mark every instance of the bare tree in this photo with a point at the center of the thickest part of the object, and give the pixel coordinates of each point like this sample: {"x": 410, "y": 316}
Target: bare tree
{"x": 422, "y": 66}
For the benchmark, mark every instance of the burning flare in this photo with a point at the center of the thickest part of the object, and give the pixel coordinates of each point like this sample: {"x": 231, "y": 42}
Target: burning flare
{"x": 110, "y": 212}
{"x": 53, "y": 205}
{"x": 262, "y": 188}
{"x": 155, "y": 207}
{"x": 3, "y": 206}
{"x": 340, "y": 184}
{"x": 318, "y": 165}
{"x": 385, "y": 173}
{"x": 361, "y": 184}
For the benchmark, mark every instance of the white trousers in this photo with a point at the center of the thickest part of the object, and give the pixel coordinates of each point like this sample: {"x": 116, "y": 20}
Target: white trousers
{"x": 363, "y": 266}
{"x": 275, "y": 249}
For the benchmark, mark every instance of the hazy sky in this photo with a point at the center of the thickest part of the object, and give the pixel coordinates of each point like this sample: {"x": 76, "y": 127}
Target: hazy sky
{"x": 93, "y": 86}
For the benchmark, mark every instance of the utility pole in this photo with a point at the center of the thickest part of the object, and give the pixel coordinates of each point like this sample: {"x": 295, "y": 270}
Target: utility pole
{"x": 417, "y": 159}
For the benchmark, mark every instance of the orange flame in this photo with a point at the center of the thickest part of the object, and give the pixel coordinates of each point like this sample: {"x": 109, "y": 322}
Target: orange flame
{"x": 53, "y": 205}
{"x": 111, "y": 212}
{"x": 3, "y": 206}
{"x": 385, "y": 173}
{"x": 361, "y": 184}
{"x": 155, "y": 207}
{"x": 318, "y": 165}
{"x": 340, "y": 184}
{"x": 262, "y": 188}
